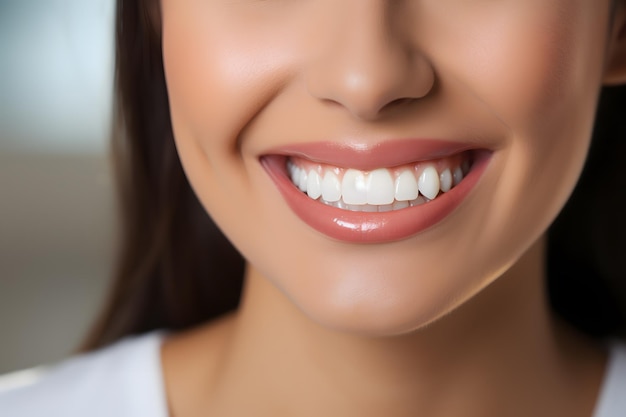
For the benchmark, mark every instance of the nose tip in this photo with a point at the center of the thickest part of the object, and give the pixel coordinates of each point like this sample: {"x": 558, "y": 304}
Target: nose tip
{"x": 368, "y": 73}
{"x": 367, "y": 89}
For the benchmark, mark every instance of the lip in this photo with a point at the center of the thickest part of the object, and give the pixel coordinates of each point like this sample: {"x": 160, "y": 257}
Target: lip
{"x": 367, "y": 158}
{"x": 365, "y": 227}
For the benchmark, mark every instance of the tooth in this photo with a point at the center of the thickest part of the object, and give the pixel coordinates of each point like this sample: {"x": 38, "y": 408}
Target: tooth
{"x": 445, "y": 180}
{"x": 369, "y": 208}
{"x": 406, "y": 187}
{"x": 303, "y": 180}
{"x": 337, "y": 204}
{"x": 380, "y": 189}
{"x": 458, "y": 175}
{"x": 429, "y": 182}
{"x": 385, "y": 208}
{"x": 353, "y": 187}
{"x": 331, "y": 188}
{"x": 418, "y": 201}
{"x": 465, "y": 167}
{"x": 294, "y": 175}
{"x": 314, "y": 185}
{"x": 362, "y": 207}
{"x": 400, "y": 205}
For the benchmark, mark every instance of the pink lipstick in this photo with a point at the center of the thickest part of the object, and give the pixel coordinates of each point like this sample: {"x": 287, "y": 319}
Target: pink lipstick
{"x": 373, "y": 227}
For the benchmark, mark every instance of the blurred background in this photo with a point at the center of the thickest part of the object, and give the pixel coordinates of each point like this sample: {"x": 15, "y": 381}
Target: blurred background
{"x": 56, "y": 205}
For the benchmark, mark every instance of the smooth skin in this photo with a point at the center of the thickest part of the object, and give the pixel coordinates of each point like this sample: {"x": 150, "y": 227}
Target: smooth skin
{"x": 450, "y": 322}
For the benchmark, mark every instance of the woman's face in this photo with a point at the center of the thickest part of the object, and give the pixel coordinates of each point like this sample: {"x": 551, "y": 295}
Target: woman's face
{"x": 476, "y": 114}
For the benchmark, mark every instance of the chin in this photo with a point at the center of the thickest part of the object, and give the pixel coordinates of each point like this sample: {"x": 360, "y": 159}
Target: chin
{"x": 367, "y": 318}
{"x": 365, "y": 303}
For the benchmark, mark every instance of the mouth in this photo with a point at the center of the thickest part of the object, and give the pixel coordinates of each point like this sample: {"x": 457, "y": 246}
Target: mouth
{"x": 379, "y": 194}
{"x": 380, "y": 190}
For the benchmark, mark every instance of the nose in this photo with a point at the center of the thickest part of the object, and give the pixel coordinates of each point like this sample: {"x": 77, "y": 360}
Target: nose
{"x": 369, "y": 65}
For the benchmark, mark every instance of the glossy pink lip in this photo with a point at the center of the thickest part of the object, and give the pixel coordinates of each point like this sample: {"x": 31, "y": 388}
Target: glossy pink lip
{"x": 385, "y": 154}
{"x": 362, "y": 227}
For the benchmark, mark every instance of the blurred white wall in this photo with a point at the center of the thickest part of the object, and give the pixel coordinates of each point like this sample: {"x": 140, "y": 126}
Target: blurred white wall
{"x": 56, "y": 60}
{"x": 55, "y": 74}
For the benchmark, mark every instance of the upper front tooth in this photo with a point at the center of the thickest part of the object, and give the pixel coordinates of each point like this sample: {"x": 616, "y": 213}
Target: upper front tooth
{"x": 406, "y": 187}
{"x": 375, "y": 188}
{"x": 380, "y": 190}
{"x": 331, "y": 188}
{"x": 353, "y": 187}
{"x": 314, "y": 185}
{"x": 428, "y": 183}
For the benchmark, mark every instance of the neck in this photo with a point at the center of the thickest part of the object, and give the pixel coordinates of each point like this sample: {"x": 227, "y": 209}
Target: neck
{"x": 500, "y": 351}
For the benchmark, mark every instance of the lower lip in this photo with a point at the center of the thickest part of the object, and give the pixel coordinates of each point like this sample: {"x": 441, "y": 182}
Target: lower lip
{"x": 363, "y": 227}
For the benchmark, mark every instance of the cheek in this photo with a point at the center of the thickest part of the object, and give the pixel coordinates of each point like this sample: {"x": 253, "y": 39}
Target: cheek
{"x": 219, "y": 72}
{"x": 533, "y": 69}
{"x": 539, "y": 75}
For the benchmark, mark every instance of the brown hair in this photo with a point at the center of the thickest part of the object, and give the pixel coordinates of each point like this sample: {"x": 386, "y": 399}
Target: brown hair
{"x": 176, "y": 270}
{"x": 587, "y": 242}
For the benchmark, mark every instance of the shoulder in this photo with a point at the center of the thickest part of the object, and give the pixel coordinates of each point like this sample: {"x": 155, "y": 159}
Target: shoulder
{"x": 612, "y": 400}
{"x": 121, "y": 380}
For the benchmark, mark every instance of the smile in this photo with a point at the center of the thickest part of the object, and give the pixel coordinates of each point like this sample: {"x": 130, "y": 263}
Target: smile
{"x": 380, "y": 190}
{"x": 377, "y": 194}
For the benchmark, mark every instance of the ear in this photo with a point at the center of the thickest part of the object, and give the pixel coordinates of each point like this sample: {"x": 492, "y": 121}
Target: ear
{"x": 615, "y": 72}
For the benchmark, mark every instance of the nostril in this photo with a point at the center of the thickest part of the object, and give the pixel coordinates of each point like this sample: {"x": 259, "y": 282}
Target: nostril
{"x": 400, "y": 102}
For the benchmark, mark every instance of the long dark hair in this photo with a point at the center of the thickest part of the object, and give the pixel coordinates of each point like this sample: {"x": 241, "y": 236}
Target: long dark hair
{"x": 176, "y": 270}
{"x": 174, "y": 267}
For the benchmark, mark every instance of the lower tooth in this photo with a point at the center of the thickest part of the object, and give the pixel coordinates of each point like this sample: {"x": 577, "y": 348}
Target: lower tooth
{"x": 418, "y": 201}
{"x": 370, "y": 208}
{"x": 398, "y": 205}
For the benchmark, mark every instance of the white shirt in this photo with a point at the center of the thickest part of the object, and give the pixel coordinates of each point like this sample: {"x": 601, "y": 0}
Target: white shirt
{"x": 126, "y": 380}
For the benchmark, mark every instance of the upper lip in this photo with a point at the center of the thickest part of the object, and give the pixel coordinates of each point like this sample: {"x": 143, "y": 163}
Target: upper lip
{"x": 371, "y": 156}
